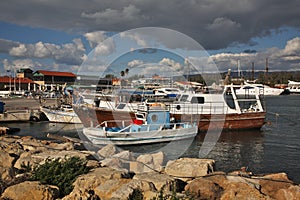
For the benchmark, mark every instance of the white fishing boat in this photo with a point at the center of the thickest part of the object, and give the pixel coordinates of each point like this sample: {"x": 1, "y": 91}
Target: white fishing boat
{"x": 62, "y": 114}
{"x": 225, "y": 111}
{"x": 293, "y": 87}
{"x": 153, "y": 125}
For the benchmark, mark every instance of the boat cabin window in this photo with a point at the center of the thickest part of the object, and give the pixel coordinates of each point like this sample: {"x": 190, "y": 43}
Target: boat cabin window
{"x": 139, "y": 116}
{"x": 184, "y": 98}
{"x": 199, "y": 100}
{"x": 248, "y": 87}
{"x": 121, "y": 106}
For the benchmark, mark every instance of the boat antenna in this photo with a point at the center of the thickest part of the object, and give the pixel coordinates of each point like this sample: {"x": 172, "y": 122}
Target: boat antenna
{"x": 267, "y": 70}
{"x": 252, "y": 75}
{"x": 238, "y": 68}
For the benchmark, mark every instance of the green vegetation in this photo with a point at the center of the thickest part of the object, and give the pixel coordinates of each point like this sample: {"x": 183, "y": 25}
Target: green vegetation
{"x": 60, "y": 173}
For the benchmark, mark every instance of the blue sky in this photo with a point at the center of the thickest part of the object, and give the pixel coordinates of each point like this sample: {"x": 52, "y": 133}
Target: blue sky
{"x": 59, "y": 35}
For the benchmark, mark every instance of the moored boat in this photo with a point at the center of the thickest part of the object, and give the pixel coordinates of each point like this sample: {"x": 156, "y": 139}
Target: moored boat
{"x": 62, "y": 114}
{"x": 151, "y": 126}
{"x": 293, "y": 87}
{"x": 250, "y": 89}
{"x": 211, "y": 111}
{"x": 226, "y": 111}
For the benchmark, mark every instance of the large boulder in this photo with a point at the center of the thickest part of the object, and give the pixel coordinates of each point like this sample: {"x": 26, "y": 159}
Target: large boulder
{"x": 10, "y": 146}
{"x": 161, "y": 181}
{"x": 6, "y": 159}
{"x": 105, "y": 190}
{"x": 148, "y": 163}
{"x": 31, "y": 191}
{"x": 126, "y": 190}
{"x": 189, "y": 167}
{"x": 202, "y": 188}
{"x": 25, "y": 160}
{"x": 108, "y": 151}
{"x": 291, "y": 193}
{"x": 240, "y": 190}
{"x": 7, "y": 173}
{"x": 85, "y": 185}
{"x": 271, "y": 183}
{"x": 118, "y": 161}
{"x": 6, "y": 165}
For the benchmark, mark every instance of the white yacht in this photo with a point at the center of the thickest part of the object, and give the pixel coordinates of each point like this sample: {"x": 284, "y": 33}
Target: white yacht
{"x": 293, "y": 87}
{"x": 250, "y": 89}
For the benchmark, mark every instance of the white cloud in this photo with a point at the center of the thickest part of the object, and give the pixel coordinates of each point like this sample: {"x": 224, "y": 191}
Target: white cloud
{"x": 138, "y": 38}
{"x": 41, "y": 50}
{"x": 20, "y": 63}
{"x": 21, "y": 50}
{"x": 135, "y": 63}
{"x": 292, "y": 47}
{"x": 105, "y": 48}
{"x": 95, "y": 38}
{"x": 176, "y": 66}
{"x": 69, "y": 53}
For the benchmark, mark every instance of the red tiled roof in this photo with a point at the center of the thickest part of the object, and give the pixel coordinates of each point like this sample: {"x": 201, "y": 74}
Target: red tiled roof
{"x": 6, "y": 79}
{"x": 53, "y": 73}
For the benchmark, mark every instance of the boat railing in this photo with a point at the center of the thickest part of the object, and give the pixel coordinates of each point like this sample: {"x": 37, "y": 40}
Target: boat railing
{"x": 123, "y": 123}
{"x": 207, "y": 108}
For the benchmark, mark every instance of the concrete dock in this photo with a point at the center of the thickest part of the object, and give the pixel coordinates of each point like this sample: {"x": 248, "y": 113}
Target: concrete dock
{"x": 24, "y": 109}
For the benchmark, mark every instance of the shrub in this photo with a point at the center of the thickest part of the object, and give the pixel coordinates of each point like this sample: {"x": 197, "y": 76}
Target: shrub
{"x": 60, "y": 173}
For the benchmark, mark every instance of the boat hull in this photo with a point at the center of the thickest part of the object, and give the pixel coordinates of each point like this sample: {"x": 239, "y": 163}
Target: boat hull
{"x": 99, "y": 137}
{"x": 226, "y": 122}
{"x": 92, "y": 117}
{"x": 61, "y": 116}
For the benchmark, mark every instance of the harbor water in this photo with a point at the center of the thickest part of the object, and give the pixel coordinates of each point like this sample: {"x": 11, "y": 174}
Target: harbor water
{"x": 274, "y": 148}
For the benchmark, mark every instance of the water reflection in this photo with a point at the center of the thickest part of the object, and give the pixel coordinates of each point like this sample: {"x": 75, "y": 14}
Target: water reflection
{"x": 234, "y": 150}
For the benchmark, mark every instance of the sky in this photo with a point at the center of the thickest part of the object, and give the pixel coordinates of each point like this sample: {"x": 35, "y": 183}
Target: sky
{"x": 66, "y": 35}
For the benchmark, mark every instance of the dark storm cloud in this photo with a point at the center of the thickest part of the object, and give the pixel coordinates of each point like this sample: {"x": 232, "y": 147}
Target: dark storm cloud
{"x": 214, "y": 24}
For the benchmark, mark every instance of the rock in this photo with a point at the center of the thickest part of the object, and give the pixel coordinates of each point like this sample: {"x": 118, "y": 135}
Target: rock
{"x": 92, "y": 164}
{"x": 119, "y": 161}
{"x": 7, "y": 173}
{"x": 31, "y": 191}
{"x": 31, "y": 144}
{"x": 61, "y": 146}
{"x": 85, "y": 185}
{"x": 114, "y": 163}
{"x": 236, "y": 190}
{"x": 108, "y": 151}
{"x": 189, "y": 167}
{"x": 204, "y": 189}
{"x": 25, "y": 159}
{"x": 160, "y": 181}
{"x": 127, "y": 189}
{"x": 6, "y": 159}
{"x": 11, "y": 147}
{"x": 105, "y": 190}
{"x": 148, "y": 163}
{"x": 54, "y": 154}
{"x": 291, "y": 193}
{"x": 271, "y": 183}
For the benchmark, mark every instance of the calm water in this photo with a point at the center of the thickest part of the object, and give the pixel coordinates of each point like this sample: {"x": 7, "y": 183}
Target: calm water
{"x": 275, "y": 148}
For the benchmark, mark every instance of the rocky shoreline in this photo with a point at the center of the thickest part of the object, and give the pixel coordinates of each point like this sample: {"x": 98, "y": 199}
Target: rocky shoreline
{"x": 118, "y": 174}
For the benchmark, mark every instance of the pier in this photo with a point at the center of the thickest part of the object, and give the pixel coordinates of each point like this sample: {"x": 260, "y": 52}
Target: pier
{"x": 23, "y": 109}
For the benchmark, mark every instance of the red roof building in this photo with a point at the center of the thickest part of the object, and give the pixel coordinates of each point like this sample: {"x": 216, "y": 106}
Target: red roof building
{"x": 10, "y": 83}
{"x": 44, "y": 77}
